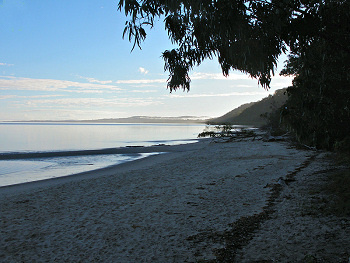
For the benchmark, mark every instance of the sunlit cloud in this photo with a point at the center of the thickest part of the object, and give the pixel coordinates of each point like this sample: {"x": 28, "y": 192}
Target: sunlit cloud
{"x": 143, "y": 70}
{"x": 62, "y": 114}
{"x": 6, "y": 64}
{"x": 143, "y": 91}
{"x": 91, "y": 102}
{"x": 279, "y": 82}
{"x": 193, "y": 76}
{"x": 216, "y": 95}
{"x": 243, "y": 86}
{"x": 28, "y": 96}
{"x": 218, "y": 76}
{"x": 93, "y": 80}
{"x": 16, "y": 83}
{"x": 4, "y": 97}
{"x": 141, "y": 81}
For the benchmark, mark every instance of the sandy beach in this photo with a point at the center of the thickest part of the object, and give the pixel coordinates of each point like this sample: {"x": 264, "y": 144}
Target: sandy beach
{"x": 179, "y": 206}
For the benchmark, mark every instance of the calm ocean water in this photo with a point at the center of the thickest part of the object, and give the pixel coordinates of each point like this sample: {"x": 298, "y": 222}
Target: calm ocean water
{"x": 58, "y": 137}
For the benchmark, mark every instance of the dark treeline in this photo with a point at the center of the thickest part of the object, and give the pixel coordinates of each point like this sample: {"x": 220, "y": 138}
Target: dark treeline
{"x": 318, "y": 108}
{"x": 249, "y": 35}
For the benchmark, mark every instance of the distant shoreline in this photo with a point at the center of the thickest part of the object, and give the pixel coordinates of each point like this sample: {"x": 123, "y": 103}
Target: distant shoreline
{"x": 128, "y": 120}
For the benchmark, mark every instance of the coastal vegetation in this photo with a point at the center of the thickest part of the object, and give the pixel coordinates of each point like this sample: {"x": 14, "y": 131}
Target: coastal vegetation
{"x": 227, "y": 132}
{"x": 249, "y": 35}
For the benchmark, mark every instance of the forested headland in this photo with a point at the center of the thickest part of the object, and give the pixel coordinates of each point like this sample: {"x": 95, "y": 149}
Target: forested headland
{"x": 257, "y": 114}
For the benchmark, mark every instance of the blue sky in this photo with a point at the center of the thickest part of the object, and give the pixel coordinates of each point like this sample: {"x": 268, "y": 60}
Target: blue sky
{"x": 63, "y": 59}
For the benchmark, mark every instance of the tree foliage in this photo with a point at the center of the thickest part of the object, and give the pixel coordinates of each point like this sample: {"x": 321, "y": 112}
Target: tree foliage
{"x": 318, "y": 108}
{"x": 243, "y": 35}
{"x": 249, "y": 35}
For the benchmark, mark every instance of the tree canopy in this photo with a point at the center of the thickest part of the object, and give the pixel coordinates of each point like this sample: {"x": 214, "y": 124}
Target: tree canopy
{"x": 249, "y": 35}
{"x": 318, "y": 107}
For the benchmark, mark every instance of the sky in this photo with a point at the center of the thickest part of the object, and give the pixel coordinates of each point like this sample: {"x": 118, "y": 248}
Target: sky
{"x": 65, "y": 60}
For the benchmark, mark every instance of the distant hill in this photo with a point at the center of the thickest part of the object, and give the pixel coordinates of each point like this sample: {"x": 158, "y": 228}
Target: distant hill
{"x": 149, "y": 119}
{"x": 135, "y": 119}
{"x": 250, "y": 113}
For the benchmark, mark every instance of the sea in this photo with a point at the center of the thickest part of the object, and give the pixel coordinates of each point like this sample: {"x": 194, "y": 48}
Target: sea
{"x": 22, "y": 140}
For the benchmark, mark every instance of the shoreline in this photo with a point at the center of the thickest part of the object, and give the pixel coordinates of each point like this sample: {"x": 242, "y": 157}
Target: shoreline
{"x": 105, "y": 171}
{"x": 175, "y": 207}
{"x": 133, "y": 149}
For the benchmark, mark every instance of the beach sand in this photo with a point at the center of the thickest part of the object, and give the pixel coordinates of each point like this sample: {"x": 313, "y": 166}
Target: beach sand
{"x": 175, "y": 207}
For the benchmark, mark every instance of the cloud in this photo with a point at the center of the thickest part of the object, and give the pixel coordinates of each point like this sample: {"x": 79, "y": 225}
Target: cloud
{"x": 91, "y": 102}
{"x": 28, "y": 97}
{"x": 243, "y": 86}
{"x": 143, "y": 70}
{"x": 16, "y": 83}
{"x": 205, "y": 76}
{"x": 143, "y": 91}
{"x": 217, "y": 95}
{"x": 62, "y": 114}
{"x": 281, "y": 81}
{"x": 141, "y": 81}
{"x": 219, "y": 76}
{"x": 193, "y": 76}
{"x": 4, "y": 97}
{"x": 93, "y": 80}
{"x": 6, "y": 64}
